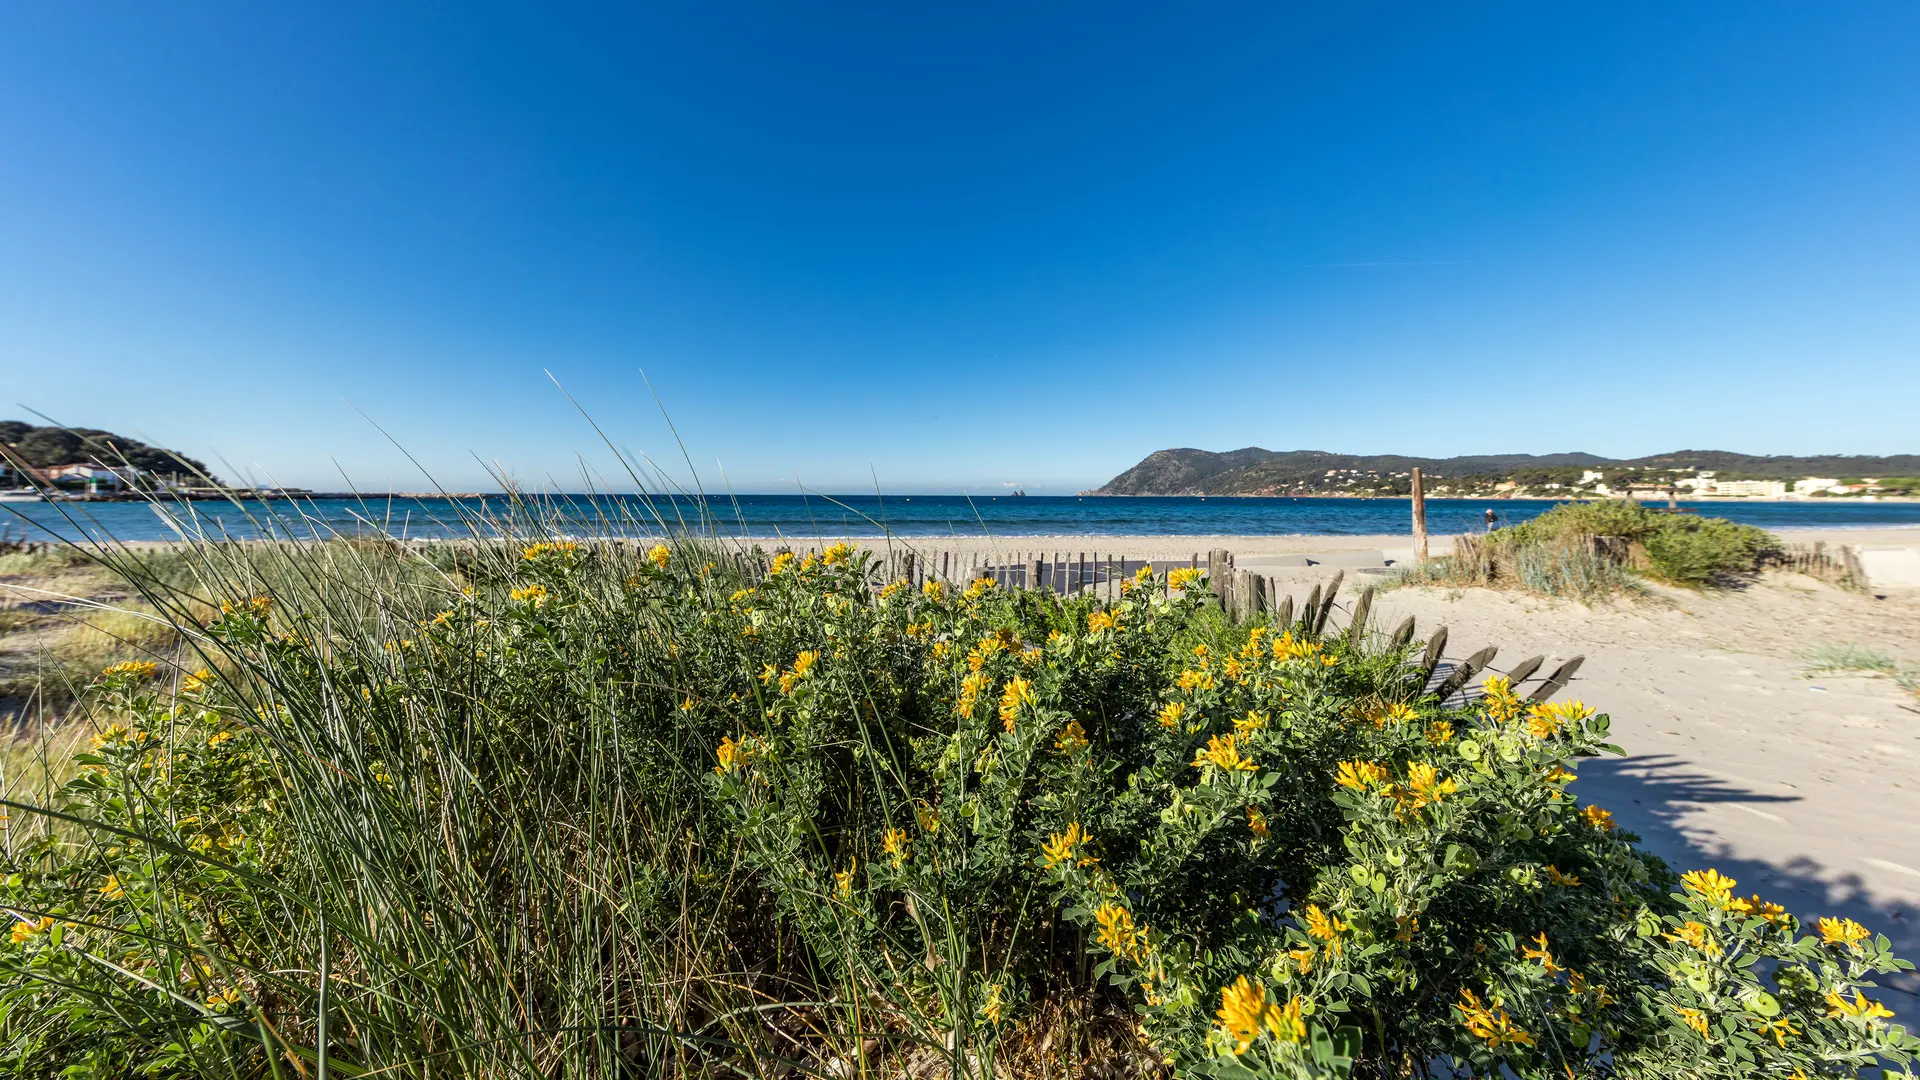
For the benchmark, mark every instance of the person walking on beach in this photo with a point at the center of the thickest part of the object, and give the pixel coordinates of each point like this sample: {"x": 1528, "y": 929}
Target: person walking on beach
{"x": 1492, "y": 519}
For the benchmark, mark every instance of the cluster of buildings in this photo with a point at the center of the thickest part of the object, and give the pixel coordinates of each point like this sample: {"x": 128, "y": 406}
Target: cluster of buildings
{"x": 1706, "y": 484}
{"x": 84, "y": 481}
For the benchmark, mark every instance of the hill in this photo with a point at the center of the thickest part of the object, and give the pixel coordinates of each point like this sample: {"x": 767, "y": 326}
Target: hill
{"x": 1257, "y": 471}
{"x": 44, "y": 447}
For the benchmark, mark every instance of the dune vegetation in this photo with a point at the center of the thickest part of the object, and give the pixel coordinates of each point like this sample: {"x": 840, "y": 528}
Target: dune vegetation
{"x": 1587, "y": 550}
{"x": 542, "y": 808}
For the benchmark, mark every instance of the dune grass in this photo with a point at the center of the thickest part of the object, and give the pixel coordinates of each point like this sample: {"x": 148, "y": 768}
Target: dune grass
{"x": 530, "y": 807}
{"x": 1587, "y": 551}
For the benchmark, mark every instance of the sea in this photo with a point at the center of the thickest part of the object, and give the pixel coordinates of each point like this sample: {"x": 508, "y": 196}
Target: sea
{"x": 808, "y": 517}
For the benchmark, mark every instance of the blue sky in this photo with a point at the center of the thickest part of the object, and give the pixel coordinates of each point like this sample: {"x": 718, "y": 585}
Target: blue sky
{"x": 956, "y": 247}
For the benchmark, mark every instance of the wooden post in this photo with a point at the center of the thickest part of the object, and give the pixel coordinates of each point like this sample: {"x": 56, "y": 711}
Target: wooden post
{"x": 1032, "y": 572}
{"x": 1220, "y": 574}
{"x": 1419, "y": 519}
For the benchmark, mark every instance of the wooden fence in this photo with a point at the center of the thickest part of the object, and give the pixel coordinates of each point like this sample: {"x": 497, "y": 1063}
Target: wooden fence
{"x": 1838, "y": 565}
{"x": 1242, "y": 594}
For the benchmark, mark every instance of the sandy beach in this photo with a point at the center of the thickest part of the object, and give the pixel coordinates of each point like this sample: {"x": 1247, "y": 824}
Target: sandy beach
{"x": 1258, "y": 546}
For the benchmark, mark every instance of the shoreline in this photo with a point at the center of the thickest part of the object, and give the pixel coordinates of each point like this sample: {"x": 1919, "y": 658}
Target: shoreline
{"x": 1144, "y": 545}
{"x": 385, "y": 496}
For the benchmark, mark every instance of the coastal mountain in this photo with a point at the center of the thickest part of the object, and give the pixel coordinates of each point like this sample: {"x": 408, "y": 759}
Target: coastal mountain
{"x": 1257, "y": 471}
{"x": 45, "y": 447}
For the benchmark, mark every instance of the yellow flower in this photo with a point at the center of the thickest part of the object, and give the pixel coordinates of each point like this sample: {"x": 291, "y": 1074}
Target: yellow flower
{"x": 1223, "y": 753}
{"x": 1397, "y": 713}
{"x": 1570, "y": 880}
{"x": 1598, "y": 818}
{"x": 223, "y": 998}
{"x": 932, "y": 590}
{"x": 1541, "y": 953}
{"x": 1101, "y": 621}
{"x": 895, "y": 844}
{"x": 1244, "y": 1012}
{"x": 1490, "y": 1023}
{"x": 992, "y": 1007}
{"x": 1858, "y": 1009}
{"x": 1256, "y": 821}
{"x": 1031, "y": 656}
{"x": 1072, "y": 738}
{"x": 1322, "y": 925}
{"x": 218, "y": 737}
{"x": 731, "y": 754}
{"x": 134, "y": 669}
{"x": 1774, "y": 914}
{"x": 530, "y": 594}
{"x": 1194, "y": 680}
{"x": 1118, "y": 932}
{"x": 1545, "y": 720}
{"x": 979, "y": 587}
{"x": 1249, "y": 723}
{"x": 1409, "y": 925}
{"x": 252, "y": 605}
{"x": 1843, "y": 932}
{"x": 1018, "y": 692}
{"x": 111, "y": 888}
{"x": 1059, "y": 846}
{"x": 1423, "y": 787}
{"x": 1709, "y": 885}
{"x": 1286, "y": 648}
{"x": 780, "y": 563}
{"x": 1696, "y": 935}
{"x": 1183, "y": 577}
{"x": 927, "y": 818}
{"x": 804, "y": 662}
{"x": 1171, "y": 713}
{"x": 836, "y": 554}
{"x": 116, "y": 733}
{"x": 1439, "y": 732}
{"x": 843, "y": 881}
{"x": 1778, "y": 1029}
{"x": 1558, "y": 775}
{"x": 24, "y": 931}
{"x": 196, "y": 682}
{"x": 1694, "y": 1019}
{"x": 1359, "y": 775}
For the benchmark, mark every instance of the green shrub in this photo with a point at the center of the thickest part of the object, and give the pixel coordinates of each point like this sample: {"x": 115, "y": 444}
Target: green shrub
{"x": 586, "y": 811}
{"x": 1587, "y": 550}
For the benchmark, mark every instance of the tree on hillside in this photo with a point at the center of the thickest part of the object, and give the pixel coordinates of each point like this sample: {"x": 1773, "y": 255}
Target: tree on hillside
{"x": 44, "y": 447}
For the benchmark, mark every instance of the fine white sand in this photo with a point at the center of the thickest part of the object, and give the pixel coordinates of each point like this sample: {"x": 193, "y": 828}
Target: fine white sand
{"x": 1140, "y": 546}
{"x": 1805, "y": 788}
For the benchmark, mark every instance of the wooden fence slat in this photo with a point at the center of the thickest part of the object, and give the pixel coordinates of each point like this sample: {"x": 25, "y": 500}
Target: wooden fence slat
{"x": 1561, "y": 676}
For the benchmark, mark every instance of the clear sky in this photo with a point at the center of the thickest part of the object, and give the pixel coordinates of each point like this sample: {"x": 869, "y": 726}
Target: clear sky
{"x": 958, "y": 246}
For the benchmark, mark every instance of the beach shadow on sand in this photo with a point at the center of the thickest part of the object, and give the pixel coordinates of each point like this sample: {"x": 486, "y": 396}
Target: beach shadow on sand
{"x": 1651, "y": 794}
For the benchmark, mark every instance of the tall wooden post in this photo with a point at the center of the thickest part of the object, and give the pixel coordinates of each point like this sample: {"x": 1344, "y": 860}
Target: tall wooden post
{"x": 1419, "y": 519}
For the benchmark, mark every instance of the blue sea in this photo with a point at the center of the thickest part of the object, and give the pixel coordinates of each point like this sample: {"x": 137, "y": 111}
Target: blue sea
{"x": 806, "y": 517}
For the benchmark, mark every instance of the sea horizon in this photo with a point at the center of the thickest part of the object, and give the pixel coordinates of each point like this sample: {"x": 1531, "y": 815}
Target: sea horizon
{"x": 815, "y": 516}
